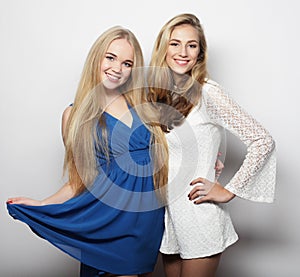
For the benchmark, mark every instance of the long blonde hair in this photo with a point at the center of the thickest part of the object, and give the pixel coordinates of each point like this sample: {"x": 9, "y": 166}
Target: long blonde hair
{"x": 160, "y": 77}
{"x": 81, "y": 135}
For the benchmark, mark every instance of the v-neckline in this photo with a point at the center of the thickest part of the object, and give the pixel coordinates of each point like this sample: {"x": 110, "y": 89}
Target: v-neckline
{"x": 122, "y": 122}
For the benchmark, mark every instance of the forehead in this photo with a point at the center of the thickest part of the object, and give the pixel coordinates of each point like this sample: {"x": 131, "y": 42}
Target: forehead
{"x": 121, "y": 48}
{"x": 185, "y": 32}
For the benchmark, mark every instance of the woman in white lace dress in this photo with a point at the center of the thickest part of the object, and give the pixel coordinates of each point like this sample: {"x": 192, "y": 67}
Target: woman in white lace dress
{"x": 194, "y": 111}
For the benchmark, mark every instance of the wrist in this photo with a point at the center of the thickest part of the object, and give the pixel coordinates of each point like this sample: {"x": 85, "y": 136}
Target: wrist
{"x": 43, "y": 202}
{"x": 230, "y": 195}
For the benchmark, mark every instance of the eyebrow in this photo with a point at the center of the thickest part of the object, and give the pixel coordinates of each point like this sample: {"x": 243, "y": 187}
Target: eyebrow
{"x": 111, "y": 54}
{"x": 114, "y": 55}
{"x": 174, "y": 39}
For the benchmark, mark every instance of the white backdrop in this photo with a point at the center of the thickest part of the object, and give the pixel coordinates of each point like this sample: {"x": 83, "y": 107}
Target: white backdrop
{"x": 253, "y": 52}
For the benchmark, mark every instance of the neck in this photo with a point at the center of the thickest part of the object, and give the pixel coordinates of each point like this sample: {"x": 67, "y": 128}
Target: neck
{"x": 110, "y": 96}
{"x": 179, "y": 79}
{"x": 112, "y": 92}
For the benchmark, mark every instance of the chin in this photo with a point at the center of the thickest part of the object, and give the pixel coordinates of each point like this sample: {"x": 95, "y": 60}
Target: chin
{"x": 111, "y": 85}
{"x": 180, "y": 72}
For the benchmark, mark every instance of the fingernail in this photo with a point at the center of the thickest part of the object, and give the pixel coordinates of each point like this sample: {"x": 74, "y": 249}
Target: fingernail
{"x": 9, "y": 201}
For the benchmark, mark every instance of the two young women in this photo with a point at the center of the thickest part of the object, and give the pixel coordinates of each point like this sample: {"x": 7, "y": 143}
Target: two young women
{"x": 116, "y": 152}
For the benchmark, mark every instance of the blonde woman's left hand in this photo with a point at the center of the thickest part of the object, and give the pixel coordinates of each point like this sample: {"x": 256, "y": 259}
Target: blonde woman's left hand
{"x": 219, "y": 166}
{"x": 24, "y": 201}
{"x": 209, "y": 191}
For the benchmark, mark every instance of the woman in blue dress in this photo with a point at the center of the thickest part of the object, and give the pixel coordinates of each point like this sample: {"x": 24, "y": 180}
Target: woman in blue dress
{"x": 108, "y": 215}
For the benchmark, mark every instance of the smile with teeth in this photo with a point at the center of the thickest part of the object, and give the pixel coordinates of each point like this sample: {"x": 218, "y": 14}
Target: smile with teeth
{"x": 181, "y": 62}
{"x": 112, "y": 77}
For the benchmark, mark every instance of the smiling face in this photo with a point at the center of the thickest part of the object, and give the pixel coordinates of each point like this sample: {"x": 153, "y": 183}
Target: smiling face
{"x": 183, "y": 49}
{"x": 117, "y": 63}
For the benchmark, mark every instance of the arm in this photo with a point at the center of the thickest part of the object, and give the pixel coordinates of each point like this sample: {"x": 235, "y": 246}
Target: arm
{"x": 63, "y": 194}
{"x": 218, "y": 166}
{"x": 64, "y": 121}
{"x": 255, "y": 180}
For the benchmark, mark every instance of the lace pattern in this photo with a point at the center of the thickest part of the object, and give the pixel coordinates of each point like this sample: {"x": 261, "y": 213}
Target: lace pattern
{"x": 255, "y": 180}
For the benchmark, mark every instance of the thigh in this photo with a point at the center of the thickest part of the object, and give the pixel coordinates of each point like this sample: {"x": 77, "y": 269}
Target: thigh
{"x": 113, "y": 275}
{"x": 146, "y": 274}
{"x": 172, "y": 265}
{"x": 88, "y": 271}
{"x": 201, "y": 267}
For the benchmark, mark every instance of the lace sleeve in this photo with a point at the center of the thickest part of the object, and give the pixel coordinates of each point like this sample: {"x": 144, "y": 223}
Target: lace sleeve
{"x": 255, "y": 179}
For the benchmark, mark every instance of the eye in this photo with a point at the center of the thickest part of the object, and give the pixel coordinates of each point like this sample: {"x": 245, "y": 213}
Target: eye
{"x": 174, "y": 44}
{"x": 193, "y": 45}
{"x": 110, "y": 58}
{"x": 128, "y": 64}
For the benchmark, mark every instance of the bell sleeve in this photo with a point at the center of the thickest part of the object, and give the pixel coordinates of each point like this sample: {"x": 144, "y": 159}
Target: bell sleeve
{"x": 255, "y": 179}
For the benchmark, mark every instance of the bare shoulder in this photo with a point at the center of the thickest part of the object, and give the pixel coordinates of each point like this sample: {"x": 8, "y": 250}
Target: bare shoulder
{"x": 66, "y": 114}
{"x": 65, "y": 118}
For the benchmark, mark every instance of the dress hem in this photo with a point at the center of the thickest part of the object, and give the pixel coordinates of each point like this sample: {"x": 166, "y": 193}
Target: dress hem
{"x": 202, "y": 255}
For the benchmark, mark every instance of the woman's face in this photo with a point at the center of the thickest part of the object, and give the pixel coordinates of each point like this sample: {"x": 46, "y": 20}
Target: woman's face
{"x": 116, "y": 66}
{"x": 183, "y": 49}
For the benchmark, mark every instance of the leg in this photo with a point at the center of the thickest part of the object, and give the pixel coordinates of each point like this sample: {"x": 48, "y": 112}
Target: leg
{"x": 201, "y": 267}
{"x": 146, "y": 274}
{"x": 88, "y": 271}
{"x": 172, "y": 265}
{"x": 113, "y": 275}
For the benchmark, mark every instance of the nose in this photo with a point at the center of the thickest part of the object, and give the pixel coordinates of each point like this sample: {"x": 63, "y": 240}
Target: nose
{"x": 117, "y": 67}
{"x": 183, "y": 52}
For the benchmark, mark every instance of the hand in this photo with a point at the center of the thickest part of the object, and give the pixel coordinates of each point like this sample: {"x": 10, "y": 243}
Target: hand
{"x": 218, "y": 166}
{"x": 209, "y": 192}
{"x": 24, "y": 201}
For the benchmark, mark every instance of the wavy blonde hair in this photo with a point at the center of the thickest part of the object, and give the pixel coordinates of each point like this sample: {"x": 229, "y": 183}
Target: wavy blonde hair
{"x": 81, "y": 136}
{"x": 160, "y": 76}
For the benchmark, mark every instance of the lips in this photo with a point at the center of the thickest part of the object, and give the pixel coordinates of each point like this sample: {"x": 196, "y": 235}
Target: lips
{"x": 112, "y": 78}
{"x": 181, "y": 62}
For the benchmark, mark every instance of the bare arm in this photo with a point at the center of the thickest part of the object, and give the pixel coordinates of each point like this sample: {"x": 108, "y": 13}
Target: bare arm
{"x": 63, "y": 194}
{"x": 65, "y": 118}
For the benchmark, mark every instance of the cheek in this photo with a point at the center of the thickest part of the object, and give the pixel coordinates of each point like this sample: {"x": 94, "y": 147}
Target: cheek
{"x": 194, "y": 60}
{"x": 195, "y": 54}
{"x": 194, "y": 57}
{"x": 103, "y": 66}
{"x": 170, "y": 52}
{"x": 126, "y": 74}
{"x": 102, "y": 69}
{"x": 168, "y": 58}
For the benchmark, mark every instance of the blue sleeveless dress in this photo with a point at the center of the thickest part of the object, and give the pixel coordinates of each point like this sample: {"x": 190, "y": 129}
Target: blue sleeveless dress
{"x": 116, "y": 225}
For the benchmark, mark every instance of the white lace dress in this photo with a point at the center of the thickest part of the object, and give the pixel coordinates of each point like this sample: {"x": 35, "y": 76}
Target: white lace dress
{"x": 195, "y": 231}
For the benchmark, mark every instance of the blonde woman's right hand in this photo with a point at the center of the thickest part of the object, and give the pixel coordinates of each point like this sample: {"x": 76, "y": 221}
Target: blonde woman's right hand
{"x": 24, "y": 201}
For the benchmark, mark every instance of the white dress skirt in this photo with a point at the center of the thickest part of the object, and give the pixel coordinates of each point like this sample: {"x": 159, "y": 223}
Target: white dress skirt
{"x": 196, "y": 231}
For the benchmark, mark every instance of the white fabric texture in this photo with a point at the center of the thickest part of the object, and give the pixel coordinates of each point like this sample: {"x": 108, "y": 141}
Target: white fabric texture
{"x": 195, "y": 231}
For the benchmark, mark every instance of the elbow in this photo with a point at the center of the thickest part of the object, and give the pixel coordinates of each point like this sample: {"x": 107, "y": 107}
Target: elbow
{"x": 270, "y": 144}
{"x": 263, "y": 146}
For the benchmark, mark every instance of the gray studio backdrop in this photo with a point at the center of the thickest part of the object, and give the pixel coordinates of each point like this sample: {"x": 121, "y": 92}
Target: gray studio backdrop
{"x": 253, "y": 53}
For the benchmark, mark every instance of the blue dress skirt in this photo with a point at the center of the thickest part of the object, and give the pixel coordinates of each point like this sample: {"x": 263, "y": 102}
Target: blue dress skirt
{"x": 116, "y": 225}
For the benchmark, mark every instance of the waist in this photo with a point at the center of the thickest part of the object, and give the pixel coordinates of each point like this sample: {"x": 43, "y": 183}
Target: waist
{"x": 138, "y": 156}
